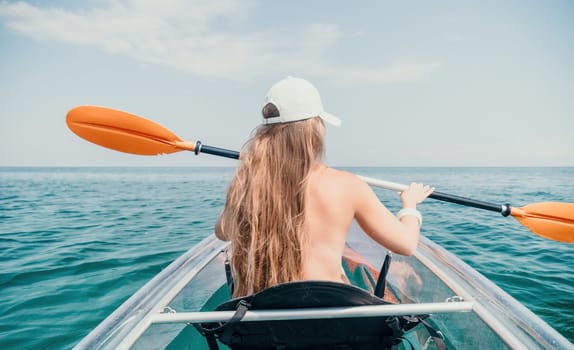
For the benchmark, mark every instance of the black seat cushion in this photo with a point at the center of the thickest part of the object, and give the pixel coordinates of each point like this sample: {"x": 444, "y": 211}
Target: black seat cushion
{"x": 368, "y": 332}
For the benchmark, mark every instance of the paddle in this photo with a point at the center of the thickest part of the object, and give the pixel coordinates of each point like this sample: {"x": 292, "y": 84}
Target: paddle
{"x": 128, "y": 133}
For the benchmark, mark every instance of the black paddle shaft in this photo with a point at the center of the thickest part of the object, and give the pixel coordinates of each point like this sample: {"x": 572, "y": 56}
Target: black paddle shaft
{"x": 216, "y": 151}
{"x": 503, "y": 209}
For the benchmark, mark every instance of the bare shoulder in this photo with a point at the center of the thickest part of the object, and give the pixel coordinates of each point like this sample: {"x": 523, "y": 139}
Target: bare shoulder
{"x": 356, "y": 191}
{"x": 345, "y": 179}
{"x": 343, "y": 175}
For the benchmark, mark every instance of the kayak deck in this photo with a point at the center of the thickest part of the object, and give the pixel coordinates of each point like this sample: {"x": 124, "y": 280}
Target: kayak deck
{"x": 466, "y": 307}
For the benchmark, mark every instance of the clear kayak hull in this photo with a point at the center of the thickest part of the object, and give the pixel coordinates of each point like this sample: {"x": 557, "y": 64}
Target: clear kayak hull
{"x": 468, "y": 309}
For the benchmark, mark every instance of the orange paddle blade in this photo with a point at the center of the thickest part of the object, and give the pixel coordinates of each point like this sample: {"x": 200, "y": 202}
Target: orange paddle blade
{"x": 123, "y": 131}
{"x": 552, "y": 220}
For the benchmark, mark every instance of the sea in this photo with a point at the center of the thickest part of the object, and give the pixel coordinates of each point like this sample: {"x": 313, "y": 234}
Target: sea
{"x": 77, "y": 242}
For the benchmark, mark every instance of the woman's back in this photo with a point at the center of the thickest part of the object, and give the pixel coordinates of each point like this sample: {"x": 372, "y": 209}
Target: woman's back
{"x": 328, "y": 214}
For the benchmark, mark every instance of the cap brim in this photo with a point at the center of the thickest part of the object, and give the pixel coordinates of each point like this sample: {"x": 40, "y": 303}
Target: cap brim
{"x": 331, "y": 119}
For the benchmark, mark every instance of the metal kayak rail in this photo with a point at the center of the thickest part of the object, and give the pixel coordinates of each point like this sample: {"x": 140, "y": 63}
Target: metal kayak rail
{"x": 317, "y": 313}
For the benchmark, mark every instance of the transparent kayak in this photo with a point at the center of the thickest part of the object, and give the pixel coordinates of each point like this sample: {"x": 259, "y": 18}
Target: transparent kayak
{"x": 467, "y": 309}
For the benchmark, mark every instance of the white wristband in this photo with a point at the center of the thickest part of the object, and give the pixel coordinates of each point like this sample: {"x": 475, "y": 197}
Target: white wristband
{"x": 410, "y": 212}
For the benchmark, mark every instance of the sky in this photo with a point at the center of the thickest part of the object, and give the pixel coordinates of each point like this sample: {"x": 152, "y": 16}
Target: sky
{"x": 416, "y": 83}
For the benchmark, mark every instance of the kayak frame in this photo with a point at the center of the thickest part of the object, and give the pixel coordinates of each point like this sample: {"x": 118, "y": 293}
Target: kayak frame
{"x": 517, "y": 326}
{"x": 122, "y": 328}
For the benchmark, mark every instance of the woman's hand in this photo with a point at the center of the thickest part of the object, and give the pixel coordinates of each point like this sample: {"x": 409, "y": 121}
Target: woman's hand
{"x": 415, "y": 194}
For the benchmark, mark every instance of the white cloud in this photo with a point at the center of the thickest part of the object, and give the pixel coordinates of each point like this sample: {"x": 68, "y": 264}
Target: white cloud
{"x": 201, "y": 36}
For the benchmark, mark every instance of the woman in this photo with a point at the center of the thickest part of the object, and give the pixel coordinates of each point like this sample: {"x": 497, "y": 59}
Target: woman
{"x": 287, "y": 215}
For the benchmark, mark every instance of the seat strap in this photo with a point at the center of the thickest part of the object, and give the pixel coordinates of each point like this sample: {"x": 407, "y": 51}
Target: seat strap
{"x": 227, "y": 327}
{"x": 228, "y": 273}
{"x": 211, "y": 341}
{"x": 382, "y": 280}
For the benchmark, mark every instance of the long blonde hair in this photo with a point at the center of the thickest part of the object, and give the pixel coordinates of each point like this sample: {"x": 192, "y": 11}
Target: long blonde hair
{"x": 264, "y": 214}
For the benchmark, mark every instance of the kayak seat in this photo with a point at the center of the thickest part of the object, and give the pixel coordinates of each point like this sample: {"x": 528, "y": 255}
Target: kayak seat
{"x": 365, "y": 333}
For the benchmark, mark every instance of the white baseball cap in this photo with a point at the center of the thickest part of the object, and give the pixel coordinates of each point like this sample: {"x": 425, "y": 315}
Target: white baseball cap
{"x": 296, "y": 99}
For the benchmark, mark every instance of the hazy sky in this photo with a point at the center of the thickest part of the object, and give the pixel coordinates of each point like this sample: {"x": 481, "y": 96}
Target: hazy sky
{"x": 416, "y": 83}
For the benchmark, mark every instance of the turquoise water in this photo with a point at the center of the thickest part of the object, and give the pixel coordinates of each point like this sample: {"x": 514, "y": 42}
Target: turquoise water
{"x": 77, "y": 242}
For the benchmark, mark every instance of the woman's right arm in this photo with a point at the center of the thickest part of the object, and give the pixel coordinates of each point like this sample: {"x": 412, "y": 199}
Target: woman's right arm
{"x": 398, "y": 235}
